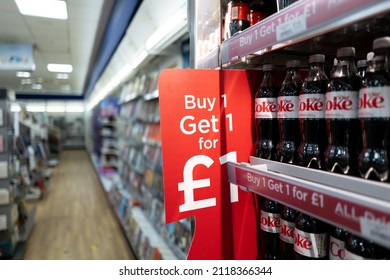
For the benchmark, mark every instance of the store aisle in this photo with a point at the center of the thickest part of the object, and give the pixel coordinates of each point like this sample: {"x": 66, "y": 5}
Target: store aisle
{"x": 74, "y": 219}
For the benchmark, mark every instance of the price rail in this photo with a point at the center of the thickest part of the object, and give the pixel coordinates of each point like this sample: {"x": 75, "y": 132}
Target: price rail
{"x": 302, "y": 20}
{"x": 320, "y": 194}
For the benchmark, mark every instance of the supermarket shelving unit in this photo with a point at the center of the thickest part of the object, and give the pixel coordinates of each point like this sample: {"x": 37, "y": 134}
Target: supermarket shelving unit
{"x": 306, "y": 27}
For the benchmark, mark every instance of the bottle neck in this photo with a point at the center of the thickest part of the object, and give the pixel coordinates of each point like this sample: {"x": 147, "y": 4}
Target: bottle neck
{"x": 380, "y": 65}
{"x": 346, "y": 68}
{"x": 267, "y": 79}
{"x": 383, "y": 63}
{"x": 362, "y": 72}
{"x": 293, "y": 75}
{"x": 316, "y": 72}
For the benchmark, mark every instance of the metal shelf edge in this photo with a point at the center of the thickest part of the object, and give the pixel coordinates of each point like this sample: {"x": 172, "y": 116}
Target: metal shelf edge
{"x": 356, "y": 213}
{"x": 239, "y": 45}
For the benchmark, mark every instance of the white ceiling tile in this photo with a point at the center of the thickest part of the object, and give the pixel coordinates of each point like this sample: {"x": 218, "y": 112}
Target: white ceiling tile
{"x": 61, "y": 41}
{"x": 57, "y": 58}
{"x": 16, "y": 35}
{"x": 86, "y": 3}
{"x": 84, "y": 13}
{"x": 53, "y": 46}
{"x": 9, "y": 6}
{"x": 11, "y": 19}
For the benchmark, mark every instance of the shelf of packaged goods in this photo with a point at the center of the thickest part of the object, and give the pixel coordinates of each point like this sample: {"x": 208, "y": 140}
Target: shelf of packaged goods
{"x": 108, "y": 183}
{"x": 130, "y": 97}
{"x": 302, "y": 20}
{"x": 360, "y": 206}
{"x": 170, "y": 250}
{"x": 110, "y": 151}
{"x": 107, "y": 123}
{"x": 151, "y": 95}
{"x": 151, "y": 142}
{"x": 24, "y": 233}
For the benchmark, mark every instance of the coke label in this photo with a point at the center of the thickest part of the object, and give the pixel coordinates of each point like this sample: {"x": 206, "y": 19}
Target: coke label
{"x": 312, "y": 245}
{"x": 270, "y": 222}
{"x": 352, "y": 256}
{"x": 336, "y": 249}
{"x": 287, "y": 231}
{"x": 265, "y": 108}
{"x": 288, "y": 107}
{"x": 342, "y": 105}
{"x": 374, "y": 102}
{"x": 311, "y": 106}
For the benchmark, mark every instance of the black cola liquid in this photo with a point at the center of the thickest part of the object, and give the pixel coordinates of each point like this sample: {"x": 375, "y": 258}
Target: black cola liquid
{"x": 337, "y": 239}
{"x": 357, "y": 248}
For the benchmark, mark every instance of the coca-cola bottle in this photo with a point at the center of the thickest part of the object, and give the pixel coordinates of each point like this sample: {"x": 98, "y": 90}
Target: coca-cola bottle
{"x": 357, "y": 248}
{"x": 266, "y": 125}
{"x": 287, "y": 224}
{"x": 341, "y": 115}
{"x": 287, "y": 115}
{"x": 269, "y": 229}
{"x": 266, "y": 138}
{"x": 312, "y": 114}
{"x": 374, "y": 115}
{"x": 337, "y": 239}
{"x": 310, "y": 238}
{"x": 239, "y": 16}
{"x": 261, "y": 9}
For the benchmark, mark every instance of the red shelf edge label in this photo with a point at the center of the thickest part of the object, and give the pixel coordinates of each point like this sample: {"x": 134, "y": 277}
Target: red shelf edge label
{"x": 351, "y": 215}
{"x": 290, "y": 22}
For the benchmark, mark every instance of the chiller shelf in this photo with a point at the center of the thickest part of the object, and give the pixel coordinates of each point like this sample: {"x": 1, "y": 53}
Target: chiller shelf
{"x": 357, "y": 205}
{"x": 300, "y": 21}
{"x": 210, "y": 61}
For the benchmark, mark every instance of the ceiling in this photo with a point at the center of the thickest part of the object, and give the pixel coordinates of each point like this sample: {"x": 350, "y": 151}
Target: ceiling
{"x": 86, "y": 40}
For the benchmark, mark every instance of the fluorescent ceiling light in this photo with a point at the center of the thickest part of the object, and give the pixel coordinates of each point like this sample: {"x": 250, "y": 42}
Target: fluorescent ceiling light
{"x": 36, "y": 86}
{"x": 74, "y": 108}
{"x": 15, "y": 107}
{"x": 65, "y": 68}
{"x": 66, "y": 87}
{"x": 43, "y": 8}
{"x": 21, "y": 74}
{"x": 62, "y": 76}
{"x": 35, "y": 108}
{"x": 26, "y": 82}
{"x": 55, "y": 108}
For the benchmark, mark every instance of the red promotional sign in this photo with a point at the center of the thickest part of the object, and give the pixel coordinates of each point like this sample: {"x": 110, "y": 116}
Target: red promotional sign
{"x": 206, "y": 120}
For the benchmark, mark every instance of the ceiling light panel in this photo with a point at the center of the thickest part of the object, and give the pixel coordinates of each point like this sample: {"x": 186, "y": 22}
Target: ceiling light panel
{"x": 62, "y": 76}
{"x": 43, "y": 8}
{"x": 62, "y": 68}
{"x": 37, "y": 86}
{"x": 21, "y": 74}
